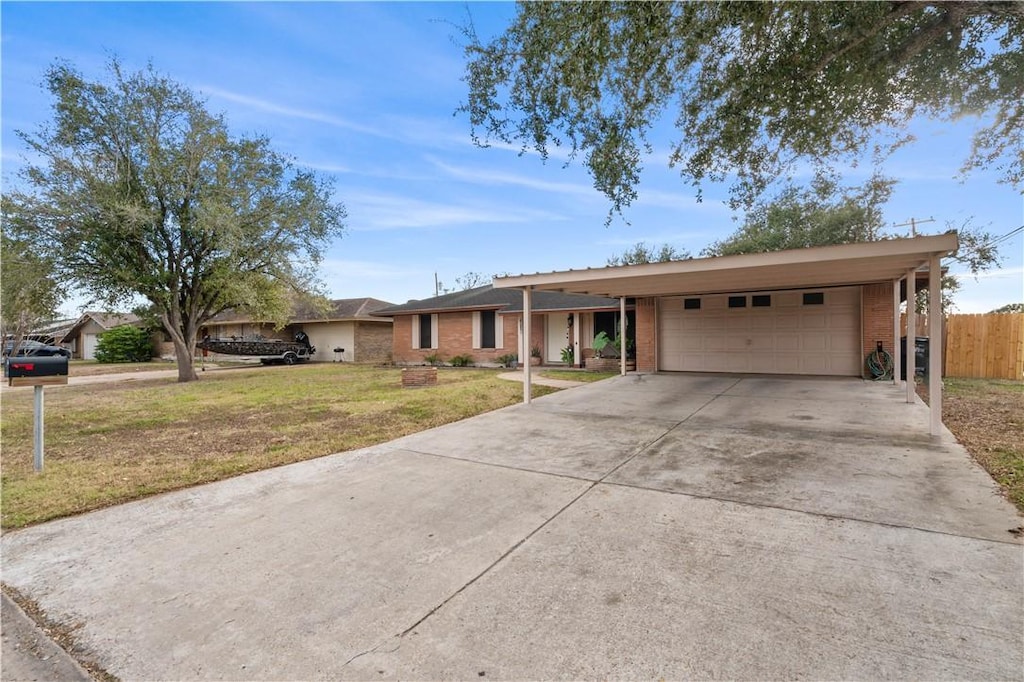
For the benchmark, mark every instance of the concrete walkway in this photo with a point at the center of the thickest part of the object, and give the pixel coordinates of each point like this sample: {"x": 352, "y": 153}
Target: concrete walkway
{"x": 535, "y": 378}
{"x": 639, "y": 527}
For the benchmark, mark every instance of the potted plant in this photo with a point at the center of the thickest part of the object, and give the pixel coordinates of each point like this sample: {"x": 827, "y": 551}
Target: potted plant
{"x": 568, "y": 355}
{"x": 535, "y": 356}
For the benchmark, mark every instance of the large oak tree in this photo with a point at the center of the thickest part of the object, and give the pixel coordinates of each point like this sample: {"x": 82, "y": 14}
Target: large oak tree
{"x": 756, "y": 88}
{"x": 141, "y": 193}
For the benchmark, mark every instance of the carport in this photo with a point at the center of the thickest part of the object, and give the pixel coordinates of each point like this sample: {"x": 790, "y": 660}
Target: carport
{"x": 815, "y": 273}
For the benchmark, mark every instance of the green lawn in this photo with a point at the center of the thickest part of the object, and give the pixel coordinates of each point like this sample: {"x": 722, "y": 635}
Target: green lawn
{"x": 112, "y": 442}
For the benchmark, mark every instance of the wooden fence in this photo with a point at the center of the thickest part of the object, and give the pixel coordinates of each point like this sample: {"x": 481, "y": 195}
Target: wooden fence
{"x": 989, "y": 346}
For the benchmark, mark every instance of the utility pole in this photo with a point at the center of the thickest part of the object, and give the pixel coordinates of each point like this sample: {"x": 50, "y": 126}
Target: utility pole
{"x": 436, "y": 292}
{"x": 913, "y": 225}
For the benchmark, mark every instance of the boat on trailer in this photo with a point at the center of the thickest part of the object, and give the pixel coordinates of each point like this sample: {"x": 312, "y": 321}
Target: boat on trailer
{"x": 269, "y": 351}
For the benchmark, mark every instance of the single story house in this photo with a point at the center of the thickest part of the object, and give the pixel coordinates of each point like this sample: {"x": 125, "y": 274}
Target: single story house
{"x": 487, "y": 323}
{"x": 348, "y": 331}
{"x": 81, "y": 338}
{"x": 814, "y": 311}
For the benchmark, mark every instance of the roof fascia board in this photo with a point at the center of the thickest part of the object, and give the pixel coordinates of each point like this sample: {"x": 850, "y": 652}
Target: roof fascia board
{"x": 926, "y": 247}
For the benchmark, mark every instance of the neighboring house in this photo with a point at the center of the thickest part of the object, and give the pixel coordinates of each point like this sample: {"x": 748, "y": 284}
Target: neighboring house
{"x": 82, "y": 337}
{"x": 814, "y": 311}
{"x": 344, "y": 332}
{"x": 51, "y": 332}
{"x": 486, "y": 324}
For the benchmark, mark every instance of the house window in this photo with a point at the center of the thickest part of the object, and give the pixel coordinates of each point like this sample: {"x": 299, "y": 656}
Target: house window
{"x": 816, "y": 298}
{"x": 691, "y": 304}
{"x": 487, "y": 329}
{"x": 424, "y": 331}
{"x": 761, "y": 301}
{"x": 737, "y": 301}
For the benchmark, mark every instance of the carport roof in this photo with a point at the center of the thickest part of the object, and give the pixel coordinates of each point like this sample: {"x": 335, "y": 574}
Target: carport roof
{"x": 823, "y": 266}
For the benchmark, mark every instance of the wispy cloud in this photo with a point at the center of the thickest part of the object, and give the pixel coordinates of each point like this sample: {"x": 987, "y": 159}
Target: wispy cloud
{"x": 391, "y": 212}
{"x": 292, "y": 112}
{"x": 1000, "y": 273}
{"x": 679, "y": 201}
{"x": 482, "y": 176}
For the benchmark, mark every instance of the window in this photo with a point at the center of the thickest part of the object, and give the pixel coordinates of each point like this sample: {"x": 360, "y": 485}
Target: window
{"x": 488, "y": 329}
{"x": 737, "y": 301}
{"x": 816, "y": 298}
{"x": 761, "y": 301}
{"x": 424, "y": 331}
{"x": 691, "y": 304}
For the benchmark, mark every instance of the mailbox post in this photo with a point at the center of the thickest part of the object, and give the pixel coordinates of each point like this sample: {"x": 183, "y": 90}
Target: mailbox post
{"x": 40, "y": 372}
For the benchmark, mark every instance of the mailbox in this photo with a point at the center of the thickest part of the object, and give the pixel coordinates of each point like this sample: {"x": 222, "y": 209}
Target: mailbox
{"x": 37, "y": 370}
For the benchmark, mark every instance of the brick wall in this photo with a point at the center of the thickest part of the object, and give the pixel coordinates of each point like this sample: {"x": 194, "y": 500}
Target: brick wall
{"x": 876, "y": 318}
{"x": 455, "y": 337}
{"x": 415, "y": 377}
{"x": 373, "y": 341}
{"x": 646, "y": 335}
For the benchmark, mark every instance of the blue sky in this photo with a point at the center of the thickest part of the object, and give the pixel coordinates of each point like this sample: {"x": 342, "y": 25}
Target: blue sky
{"x": 367, "y": 93}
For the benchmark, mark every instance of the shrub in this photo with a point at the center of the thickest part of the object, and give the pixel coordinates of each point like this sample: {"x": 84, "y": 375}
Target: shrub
{"x": 461, "y": 360}
{"x": 124, "y": 344}
{"x": 568, "y": 355}
{"x": 434, "y": 359}
{"x": 509, "y": 360}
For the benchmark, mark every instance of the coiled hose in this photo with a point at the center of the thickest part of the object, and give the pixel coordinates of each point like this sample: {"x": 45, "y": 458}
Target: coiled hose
{"x": 880, "y": 365}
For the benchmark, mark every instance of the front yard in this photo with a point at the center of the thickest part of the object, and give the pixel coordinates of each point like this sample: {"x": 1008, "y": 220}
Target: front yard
{"x": 987, "y": 417}
{"x": 113, "y": 442}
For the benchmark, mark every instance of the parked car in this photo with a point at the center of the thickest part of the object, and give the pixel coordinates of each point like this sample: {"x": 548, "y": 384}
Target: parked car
{"x": 30, "y": 347}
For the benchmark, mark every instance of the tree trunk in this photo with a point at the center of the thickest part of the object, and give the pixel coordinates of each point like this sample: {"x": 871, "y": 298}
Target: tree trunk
{"x": 184, "y": 346}
{"x": 185, "y": 353}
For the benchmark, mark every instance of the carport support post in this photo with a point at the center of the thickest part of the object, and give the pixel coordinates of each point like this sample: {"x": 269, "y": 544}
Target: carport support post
{"x": 911, "y": 333}
{"x": 577, "y": 357}
{"x": 935, "y": 343}
{"x": 527, "y": 313}
{"x": 622, "y": 335}
{"x": 37, "y": 429}
{"x": 896, "y": 359}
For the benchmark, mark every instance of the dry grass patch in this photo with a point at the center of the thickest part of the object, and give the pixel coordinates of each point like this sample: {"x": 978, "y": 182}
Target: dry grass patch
{"x": 987, "y": 417}
{"x": 110, "y": 443}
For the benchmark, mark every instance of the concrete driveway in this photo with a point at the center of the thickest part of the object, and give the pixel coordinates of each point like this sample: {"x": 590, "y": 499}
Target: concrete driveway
{"x": 641, "y": 527}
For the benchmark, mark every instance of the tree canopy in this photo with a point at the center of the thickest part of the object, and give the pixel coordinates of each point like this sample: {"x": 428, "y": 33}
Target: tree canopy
{"x": 29, "y": 290}
{"x": 142, "y": 193}
{"x": 800, "y": 217}
{"x": 757, "y": 89}
{"x": 827, "y": 214}
{"x": 641, "y": 252}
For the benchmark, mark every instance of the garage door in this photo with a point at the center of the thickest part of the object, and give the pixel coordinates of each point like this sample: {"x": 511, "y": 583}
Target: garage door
{"x": 776, "y": 332}
{"x": 89, "y": 342}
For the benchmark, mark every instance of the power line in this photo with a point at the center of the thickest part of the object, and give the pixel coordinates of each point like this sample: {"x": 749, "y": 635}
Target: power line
{"x": 1006, "y": 236}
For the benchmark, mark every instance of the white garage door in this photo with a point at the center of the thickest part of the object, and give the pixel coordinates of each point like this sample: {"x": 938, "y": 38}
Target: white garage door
{"x": 777, "y": 332}
{"x": 89, "y": 342}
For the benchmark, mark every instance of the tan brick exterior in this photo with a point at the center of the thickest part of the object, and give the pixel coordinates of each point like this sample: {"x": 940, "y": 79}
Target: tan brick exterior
{"x": 373, "y": 342}
{"x": 646, "y": 335}
{"x": 876, "y": 318}
{"x": 455, "y": 337}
